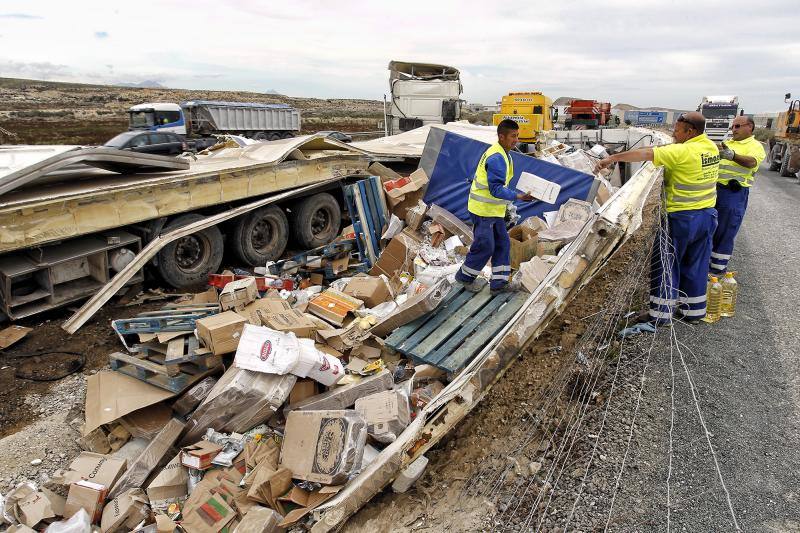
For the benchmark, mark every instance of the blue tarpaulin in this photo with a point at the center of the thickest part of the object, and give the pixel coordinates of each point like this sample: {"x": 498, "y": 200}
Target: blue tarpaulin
{"x": 449, "y": 160}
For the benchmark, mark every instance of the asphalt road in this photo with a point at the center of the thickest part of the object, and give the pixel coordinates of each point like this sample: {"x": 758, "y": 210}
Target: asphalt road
{"x": 745, "y": 373}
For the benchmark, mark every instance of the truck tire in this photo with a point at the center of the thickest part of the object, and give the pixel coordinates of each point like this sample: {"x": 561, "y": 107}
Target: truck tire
{"x": 773, "y": 164}
{"x": 784, "y": 170}
{"x": 260, "y": 236}
{"x": 260, "y": 136}
{"x": 273, "y": 136}
{"x": 316, "y": 220}
{"x": 287, "y": 135}
{"x": 187, "y": 262}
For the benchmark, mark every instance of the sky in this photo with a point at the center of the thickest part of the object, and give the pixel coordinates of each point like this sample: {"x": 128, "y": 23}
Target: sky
{"x": 647, "y": 53}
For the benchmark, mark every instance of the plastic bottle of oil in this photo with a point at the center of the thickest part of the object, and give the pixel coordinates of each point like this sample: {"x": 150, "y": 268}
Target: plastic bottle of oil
{"x": 729, "y": 290}
{"x": 713, "y": 300}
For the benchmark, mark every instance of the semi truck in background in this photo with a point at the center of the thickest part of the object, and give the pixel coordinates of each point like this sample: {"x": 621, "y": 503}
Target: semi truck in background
{"x": 784, "y": 148}
{"x": 719, "y": 112}
{"x": 533, "y": 111}
{"x": 203, "y": 118}
{"x": 422, "y": 93}
{"x": 587, "y": 115}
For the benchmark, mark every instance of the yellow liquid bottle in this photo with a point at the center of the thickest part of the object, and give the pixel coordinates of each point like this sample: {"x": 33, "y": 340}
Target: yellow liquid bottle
{"x": 729, "y": 290}
{"x": 713, "y": 300}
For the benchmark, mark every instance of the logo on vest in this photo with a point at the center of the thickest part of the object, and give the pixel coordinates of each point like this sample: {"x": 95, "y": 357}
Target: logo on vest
{"x": 709, "y": 159}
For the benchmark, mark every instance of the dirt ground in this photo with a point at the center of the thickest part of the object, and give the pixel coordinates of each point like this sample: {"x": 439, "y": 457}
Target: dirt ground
{"x": 44, "y": 112}
{"x": 483, "y": 440}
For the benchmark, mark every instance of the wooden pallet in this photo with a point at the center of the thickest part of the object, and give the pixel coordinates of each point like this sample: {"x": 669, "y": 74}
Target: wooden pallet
{"x": 174, "y": 319}
{"x": 174, "y": 376}
{"x": 451, "y": 335}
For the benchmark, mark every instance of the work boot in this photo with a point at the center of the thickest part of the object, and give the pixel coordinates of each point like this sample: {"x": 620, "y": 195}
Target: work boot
{"x": 512, "y": 286}
{"x": 475, "y": 285}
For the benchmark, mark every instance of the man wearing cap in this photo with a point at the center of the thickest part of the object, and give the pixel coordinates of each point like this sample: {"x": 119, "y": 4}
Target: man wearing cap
{"x": 739, "y": 161}
{"x": 489, "y": 195}
{"x": 680, "y": 260}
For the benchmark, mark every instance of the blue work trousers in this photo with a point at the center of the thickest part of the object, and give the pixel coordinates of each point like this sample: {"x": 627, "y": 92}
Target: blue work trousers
{"x": 491, "y": 241}
{"x": 731, "y": 206}
{"x": 679, "y": 272}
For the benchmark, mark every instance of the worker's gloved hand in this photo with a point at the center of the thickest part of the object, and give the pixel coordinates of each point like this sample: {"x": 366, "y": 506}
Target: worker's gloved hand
{"x": 512, "y": 217}
{"x": 726, "y": 153}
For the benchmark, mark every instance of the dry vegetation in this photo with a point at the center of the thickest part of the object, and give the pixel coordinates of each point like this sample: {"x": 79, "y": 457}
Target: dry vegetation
{"x": 44, "y": 112}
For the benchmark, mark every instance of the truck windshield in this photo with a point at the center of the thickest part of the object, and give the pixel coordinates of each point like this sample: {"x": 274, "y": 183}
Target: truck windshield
{"x": 719, "y": 112}
{"x": 141, "y": 119}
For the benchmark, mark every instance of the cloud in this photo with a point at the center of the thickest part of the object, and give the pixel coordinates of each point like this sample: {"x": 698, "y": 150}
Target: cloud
{"x": 19, "y": 16}
{"x": 101, "y": 34}
{"x": 40, "y": 70}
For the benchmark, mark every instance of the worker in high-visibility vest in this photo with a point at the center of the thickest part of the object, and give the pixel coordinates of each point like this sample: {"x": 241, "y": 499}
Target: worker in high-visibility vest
{"x": 489, "y": 195}
{"x": 739, "y": 161}
{"x": 683, "y": 245}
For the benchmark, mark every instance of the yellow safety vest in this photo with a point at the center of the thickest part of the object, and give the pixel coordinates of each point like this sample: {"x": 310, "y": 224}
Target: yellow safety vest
{"x": 481, "y": 202}
{"x": 691, "y": 169}
{"x": 731, "y": 170}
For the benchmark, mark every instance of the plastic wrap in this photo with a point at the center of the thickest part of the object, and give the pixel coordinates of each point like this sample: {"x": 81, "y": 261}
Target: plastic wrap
{"x": 192, "y": 398}
{"x": 79, "y": 523}
{"x": 578, "y": 160}
{"x": 451, "y": 223}
{"x": 240, "y": 400}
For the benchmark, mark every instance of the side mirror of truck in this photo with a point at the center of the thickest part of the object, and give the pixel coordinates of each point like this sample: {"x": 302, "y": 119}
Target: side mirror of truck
{"x": 787, "y": 97}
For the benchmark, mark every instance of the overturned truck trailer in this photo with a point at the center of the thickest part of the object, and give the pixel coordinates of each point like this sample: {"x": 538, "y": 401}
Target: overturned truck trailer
{"x": 609, "y": 227}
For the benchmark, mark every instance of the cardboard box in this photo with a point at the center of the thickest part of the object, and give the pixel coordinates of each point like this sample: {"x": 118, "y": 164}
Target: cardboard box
{"x": 192, "y": 398}
{"x": 345, "y": 396}
{"x": 417, "y": 182}
{"x": 574, "y": 209}
{"x": 259, "y": 520}
{"x": 238, "y": 293}
{"x": 170, "y": 483}
{"x": 303, "y": 389}
{"x": 97, "y": 468}
{"x": 267, "y": 484}
{"x": 323, "y": 446}
{"x": 334, "y": 306}
{"x": 416, "y": 215}
{"x": 372, "y": 290}
{"x": 200, "y": 455}
{"x": 124, "y": 512}
{"x": 207, "y": 513}
{"x": 146, "y": 422}
{"x": 387, "y": 414}
{"x": 298, "y": 502}
{"x": 523, "y": 244}
{"x": 28, "y": 505}
{"x": 221, "y": 333}
{"x": 342, "y": 339}
{"x": 263, "y": 305}
{"x": 551, "y": 248}
{"x": 88, "y": 496}
{"x": 397, "y": 256}
{"x": 143, "y": 466}
{"x": 290, "y": 320}
{"x": 533, "y": 273}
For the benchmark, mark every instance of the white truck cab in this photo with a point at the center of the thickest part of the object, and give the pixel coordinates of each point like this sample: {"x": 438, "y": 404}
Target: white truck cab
{"x": 719, "y": 112}
{"x": 422, "y": 93}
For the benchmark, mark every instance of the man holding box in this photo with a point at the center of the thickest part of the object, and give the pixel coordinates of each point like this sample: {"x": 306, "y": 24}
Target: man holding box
{"x": 489, "y": 195}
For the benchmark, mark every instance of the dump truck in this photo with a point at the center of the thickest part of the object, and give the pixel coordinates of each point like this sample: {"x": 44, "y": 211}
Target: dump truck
{"x": 203, "y": 118}
{"x": 587, "y": 115}
{"x": 719, "y": 112}
{"x": 533, "y": 111}
{"x": 421, "y": 94}
{"x": 784, "y": 147}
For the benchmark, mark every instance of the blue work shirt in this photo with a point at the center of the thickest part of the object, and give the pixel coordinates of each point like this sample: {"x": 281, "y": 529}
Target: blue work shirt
{"x": 496, "y": 174}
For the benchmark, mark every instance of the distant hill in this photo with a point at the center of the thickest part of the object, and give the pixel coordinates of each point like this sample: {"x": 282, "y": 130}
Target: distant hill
{"x": 146, "y": 84}
{"x": 630, "y": 107}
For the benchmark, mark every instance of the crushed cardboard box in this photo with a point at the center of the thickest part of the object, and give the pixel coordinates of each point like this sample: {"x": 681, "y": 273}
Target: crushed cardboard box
{"x": 97, "y": 468}
{"x": 199, "y": 455}
{"x": 372, "y": 290}
{"x": 323, "y": 446}
{"x": 334, "y": 306}
{"x": 194, "y": 396}
{"x": 221, "y": 333}
{"x": 345, "y": 396}
{"x": 297, "y": 503}
{"x": 237, "y": 294}
{"x": 523, "y": 244}
{"x": 387, "y": 414}
{"x": 170, "y": 483}
{"x": 291, "y": 320}
{"x": 259, "y": 520}
{"x": 397, "y": 256}
{"x": 111, "y": 395}
{"x": 264, "y": 305}
{"x": 125, "y": 512}
{"x": 87, "y": 496}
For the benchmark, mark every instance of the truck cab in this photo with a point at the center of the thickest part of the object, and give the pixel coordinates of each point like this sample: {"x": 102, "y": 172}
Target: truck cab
{"x": 533, "y": 111}
{"x": 719, "y": 112}
{"x": 422, "y": 93}
{"x": 157, "y": 116}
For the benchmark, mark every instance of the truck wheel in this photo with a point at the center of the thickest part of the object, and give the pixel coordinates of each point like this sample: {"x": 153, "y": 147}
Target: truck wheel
{"x": 287, "y": 135}
{"x": 774, "y": 165}
{"x": 260, "y": 236}
{"x": 188, "y": 261}
{"x": 273, "y": 136}
{"x": 784, "y": 170}
{"x": 316, "y": 220}
{"x": 260, "y": 136}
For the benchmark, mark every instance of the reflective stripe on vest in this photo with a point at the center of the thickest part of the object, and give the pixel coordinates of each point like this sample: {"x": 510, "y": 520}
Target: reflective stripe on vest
{"x": 731, "y": 170}
{"x": 481, "y": 202}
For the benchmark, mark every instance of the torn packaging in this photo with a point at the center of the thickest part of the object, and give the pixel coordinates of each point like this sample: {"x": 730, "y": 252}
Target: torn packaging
{"x": 206, "y": 512}
{"x": 194, "y": 396}
{"x": 170, "y": 483}
{"x": 237, "y": 294}
{"x": 240, "y": 400}
{"x": 147, "y": 422}
{"x": 87, "y": 496}
{"x": 199, "y": 456}
{"x": 416, "y": 181}
{"x": 397, "y": 256}
{"x": 372, "y": 290}
{"x": 533, "y": 273}
{"x": 94, "y": 467}
{"x": 387, "y": 414}
{"x": 221, "y": 333}
{"x": 323, "y": 446}
{"x": 125, "y": 512}
{"x": 289, "y": 321}
{"x": 523, "y": 244}
{"x": 264, "y": 305}
{"x": 28, "y": 506}
{"x": 259, "y": 520}
{"x": 111, "y": 395}
{"x": 345, "y": 396}
{"x": 298, "y": 502}
{"x": 334, "y": 306}
{"x": 266, "y": 485}
{"x": 143, "y": 466}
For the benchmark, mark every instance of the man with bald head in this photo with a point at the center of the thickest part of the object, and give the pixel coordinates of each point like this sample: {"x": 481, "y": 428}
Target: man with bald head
{"x": 683, "y": 246}
{"x": 740, "y": 159}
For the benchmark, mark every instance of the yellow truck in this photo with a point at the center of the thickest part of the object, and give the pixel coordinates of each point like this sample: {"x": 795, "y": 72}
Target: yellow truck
{"x": 533, "y": 111}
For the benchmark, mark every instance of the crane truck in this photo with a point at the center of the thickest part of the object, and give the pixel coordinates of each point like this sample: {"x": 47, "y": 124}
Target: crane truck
{"x": 587, "y": 115}
{"x": 785, "y": 145}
